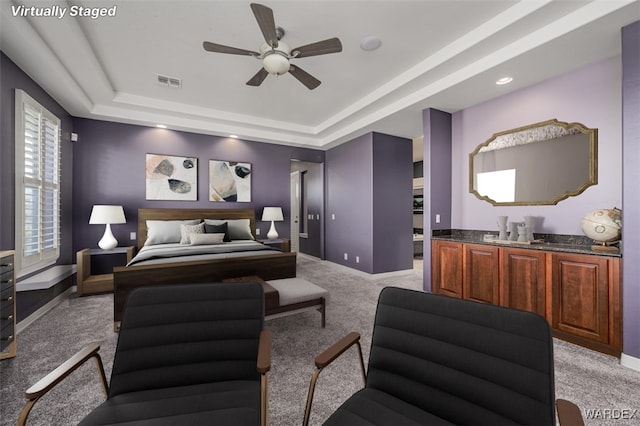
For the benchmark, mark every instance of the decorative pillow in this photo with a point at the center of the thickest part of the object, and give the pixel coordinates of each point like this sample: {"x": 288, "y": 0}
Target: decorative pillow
{"x": 215, "y": 229}
{"x": 165, "y": 231}
{"x": 187, "y": 231}
{"x": 239, "y": 229}
{"x": 202, "y": 239}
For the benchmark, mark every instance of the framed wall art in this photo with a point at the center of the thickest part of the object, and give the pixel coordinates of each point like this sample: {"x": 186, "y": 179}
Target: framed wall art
{"x": 171, "y": 178}
{"x": 229, "y": 181}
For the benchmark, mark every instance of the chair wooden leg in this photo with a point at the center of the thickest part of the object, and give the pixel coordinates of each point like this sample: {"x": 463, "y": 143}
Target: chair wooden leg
{"x": 312, "y": 388}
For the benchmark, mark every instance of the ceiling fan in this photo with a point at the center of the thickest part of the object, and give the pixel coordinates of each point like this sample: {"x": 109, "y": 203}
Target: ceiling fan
{"x": 275, "y": 54}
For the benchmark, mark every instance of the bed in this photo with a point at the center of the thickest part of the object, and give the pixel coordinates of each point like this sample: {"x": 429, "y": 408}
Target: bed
{"x": 162, "y": 267}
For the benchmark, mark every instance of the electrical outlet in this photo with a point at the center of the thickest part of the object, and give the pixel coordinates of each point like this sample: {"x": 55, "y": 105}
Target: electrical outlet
{"x": 346, "y": 256}
{"x": 257, "y": 231}
{"x": 132, "y": 236}
{"x": 357, "y": 259}
{"x": 333, "y": 216}
{"x": 437, "y": 218}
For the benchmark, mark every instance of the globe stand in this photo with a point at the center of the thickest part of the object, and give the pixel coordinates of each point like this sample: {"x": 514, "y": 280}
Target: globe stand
{"x": 604, "y": 247}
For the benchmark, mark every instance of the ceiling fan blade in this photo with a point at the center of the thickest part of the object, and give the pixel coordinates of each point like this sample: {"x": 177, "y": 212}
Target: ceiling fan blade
{"x": 266, "y": 22}
{"x": 304, "y": 77}
{"x": 218, "y": 48}
{"x": 257, "y": 79}
{"x": 332, "y": 45}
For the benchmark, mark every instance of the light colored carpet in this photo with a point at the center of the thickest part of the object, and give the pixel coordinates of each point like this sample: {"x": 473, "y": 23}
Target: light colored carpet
{"x": 592, "y": 380}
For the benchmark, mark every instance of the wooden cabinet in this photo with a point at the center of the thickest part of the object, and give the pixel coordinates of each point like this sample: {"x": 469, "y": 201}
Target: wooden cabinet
{"x": 586, "y": 298}
{"x": 7, "y": 305}
{"x": 446, "y": 266}
{"x": 523, "y": 281}
{"x": 579, "y": 294}
{"x": 481, "y": 273}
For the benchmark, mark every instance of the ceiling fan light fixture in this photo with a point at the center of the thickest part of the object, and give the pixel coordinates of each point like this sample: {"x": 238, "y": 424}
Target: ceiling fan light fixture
{"x": 276, "y": 63}
{"x": 370, "y": 43}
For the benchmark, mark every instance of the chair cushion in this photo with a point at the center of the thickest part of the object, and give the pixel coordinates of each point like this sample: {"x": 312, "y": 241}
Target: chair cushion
{"x": 222, "y": 403}
{"x": 374, "y": 407}
{"x": 296, "y": 290}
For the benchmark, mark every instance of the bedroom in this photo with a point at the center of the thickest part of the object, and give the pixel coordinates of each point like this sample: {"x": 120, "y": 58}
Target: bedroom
{"x": 106, "y": 166}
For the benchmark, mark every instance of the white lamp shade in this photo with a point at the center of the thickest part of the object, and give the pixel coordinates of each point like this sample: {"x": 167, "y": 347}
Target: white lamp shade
{"x": 272, "y": 213}
{"x": 103, "y": 214}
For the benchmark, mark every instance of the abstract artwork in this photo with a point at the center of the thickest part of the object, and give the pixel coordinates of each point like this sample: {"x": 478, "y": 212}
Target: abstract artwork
{"x": 171, "y": 178}
{"x": 229, "y": 181}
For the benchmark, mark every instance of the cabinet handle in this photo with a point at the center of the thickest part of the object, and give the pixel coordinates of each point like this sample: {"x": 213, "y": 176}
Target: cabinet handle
{"x": 9, "y": 281}
{"x": 9, "y": 318}
{"x": 7, "y": 265}
{"x": 9, "y": 338}
{"x": 8, "y": 299}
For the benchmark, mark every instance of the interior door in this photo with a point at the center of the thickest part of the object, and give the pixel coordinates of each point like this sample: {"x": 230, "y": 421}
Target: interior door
{"x": 295, "y": 211}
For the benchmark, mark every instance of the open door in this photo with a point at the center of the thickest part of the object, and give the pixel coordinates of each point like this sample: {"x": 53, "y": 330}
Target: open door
{"x": 295, "y": 211}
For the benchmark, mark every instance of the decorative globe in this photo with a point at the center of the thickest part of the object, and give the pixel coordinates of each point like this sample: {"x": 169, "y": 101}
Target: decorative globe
{"x": 603, "y": 225}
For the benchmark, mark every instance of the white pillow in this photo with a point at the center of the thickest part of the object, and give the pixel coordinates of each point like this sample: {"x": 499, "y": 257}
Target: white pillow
{"x": 165, "y": 231}
{"x": 238, "y": 229}
{"x": 187, "y": 231}
{"x": 202, "y": 239}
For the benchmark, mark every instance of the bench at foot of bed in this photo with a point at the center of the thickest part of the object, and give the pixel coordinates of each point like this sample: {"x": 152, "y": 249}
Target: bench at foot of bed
{"x": 290, "y": 296}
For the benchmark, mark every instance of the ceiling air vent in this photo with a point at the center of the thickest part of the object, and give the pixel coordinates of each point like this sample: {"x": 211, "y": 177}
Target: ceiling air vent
{"x": 174, "y": 83}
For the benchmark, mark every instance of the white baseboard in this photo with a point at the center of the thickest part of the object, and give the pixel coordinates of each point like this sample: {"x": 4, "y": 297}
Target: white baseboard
{"x": 630, "y": 362}
{"x": 367, "y": 275}
{"x": 43, "y": 310}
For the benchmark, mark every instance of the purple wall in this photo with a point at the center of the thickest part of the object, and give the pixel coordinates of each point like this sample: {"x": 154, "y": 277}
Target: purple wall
{"x": 11, "y": 78}
{"x": 349, "y": 214}
{"x": 392, "y": 193}
{"x": 437, "y": 180}
{"x": 109, "y": 161}
{"x": 631, "y": 178}
{"x": 372, "y": 225}
{"x": 590, "y": 95}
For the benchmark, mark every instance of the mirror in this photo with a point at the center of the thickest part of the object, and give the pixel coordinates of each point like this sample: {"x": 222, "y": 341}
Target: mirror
{"x": 539, "y": 164}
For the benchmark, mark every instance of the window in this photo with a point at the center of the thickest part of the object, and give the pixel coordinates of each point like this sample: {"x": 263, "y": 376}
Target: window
{"x": 37, "y": 185}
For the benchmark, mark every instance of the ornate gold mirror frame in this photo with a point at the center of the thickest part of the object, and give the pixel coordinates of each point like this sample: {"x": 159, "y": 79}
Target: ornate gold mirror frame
{"x": 538, "y": 164}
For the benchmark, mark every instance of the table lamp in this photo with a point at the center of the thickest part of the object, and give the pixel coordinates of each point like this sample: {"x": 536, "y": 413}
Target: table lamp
{"x": 106, "y": 215}
{"x": 272, "y": 214}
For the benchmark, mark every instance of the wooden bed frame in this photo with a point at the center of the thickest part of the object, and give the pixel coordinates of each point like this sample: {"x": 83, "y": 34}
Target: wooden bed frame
{"x": 127, "y": 278}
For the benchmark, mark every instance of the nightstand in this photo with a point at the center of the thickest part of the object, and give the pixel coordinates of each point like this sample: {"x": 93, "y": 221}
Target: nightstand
{"x": 99, "y": 283}
{"x": 283, "y": 244}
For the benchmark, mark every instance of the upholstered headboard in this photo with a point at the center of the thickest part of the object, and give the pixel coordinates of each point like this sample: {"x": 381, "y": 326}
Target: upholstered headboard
{"x": 186, "y": 214}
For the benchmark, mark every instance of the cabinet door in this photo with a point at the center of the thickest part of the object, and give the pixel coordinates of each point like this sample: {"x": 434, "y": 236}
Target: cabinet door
{"x": 446, "y": 264}
{"x": 581, "y": 295}
{"x": 522, "y": 280}
{"x": 481, "y": 273}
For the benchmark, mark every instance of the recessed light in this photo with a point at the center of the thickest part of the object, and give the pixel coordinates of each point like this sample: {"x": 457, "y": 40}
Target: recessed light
{"x": 233, "y": 136}
{"x": 161, "y": 126}
{"x": 370, "y": 43}
{"x": 504, "y": 80}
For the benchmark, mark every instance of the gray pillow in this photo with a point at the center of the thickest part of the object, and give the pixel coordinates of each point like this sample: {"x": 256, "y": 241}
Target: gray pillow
{"x": 166, "y": 231}
{"x": 188, "y": 231}
{"x": 238, "y": 229}
{"x": 200, "y": 239}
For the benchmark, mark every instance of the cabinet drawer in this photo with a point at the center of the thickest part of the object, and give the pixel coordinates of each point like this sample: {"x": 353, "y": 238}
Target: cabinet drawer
{"x": 6, "y": 280}
{"x": 7, "y": 335}
{"x": 6, "y": 264}
{"x": 6, "y": 295}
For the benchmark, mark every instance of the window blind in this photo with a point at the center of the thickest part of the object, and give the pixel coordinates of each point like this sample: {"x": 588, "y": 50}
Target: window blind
{"x": 38, "y": 177}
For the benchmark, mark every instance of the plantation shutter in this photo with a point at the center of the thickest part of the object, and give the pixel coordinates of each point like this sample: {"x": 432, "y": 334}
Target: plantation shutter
{"x": 38, "y": 176}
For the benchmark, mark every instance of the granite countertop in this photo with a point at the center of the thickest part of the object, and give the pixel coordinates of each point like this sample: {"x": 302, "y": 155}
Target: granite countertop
{"x": 548, "y": 242}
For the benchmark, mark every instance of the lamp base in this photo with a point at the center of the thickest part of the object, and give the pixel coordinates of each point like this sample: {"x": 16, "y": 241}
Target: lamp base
{"x": 108, "y": 241}
{"x": 272, "y": 234}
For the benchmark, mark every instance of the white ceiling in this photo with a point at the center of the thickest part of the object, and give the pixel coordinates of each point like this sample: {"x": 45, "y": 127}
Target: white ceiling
{"x": 443, "y": 54}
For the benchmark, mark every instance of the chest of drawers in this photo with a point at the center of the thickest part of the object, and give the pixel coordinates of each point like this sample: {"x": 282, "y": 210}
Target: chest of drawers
{"x": 7, "y": 305}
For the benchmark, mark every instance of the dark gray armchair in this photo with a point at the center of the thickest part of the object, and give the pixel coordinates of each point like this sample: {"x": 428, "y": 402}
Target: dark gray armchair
{"x": 438, "y": 360}
{"x": 186, "y": 354}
